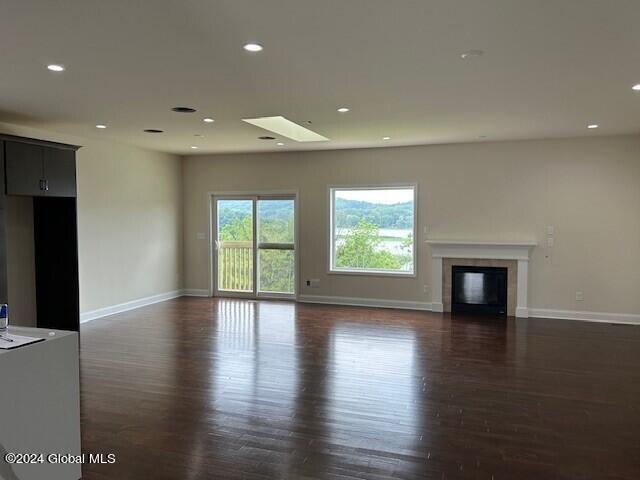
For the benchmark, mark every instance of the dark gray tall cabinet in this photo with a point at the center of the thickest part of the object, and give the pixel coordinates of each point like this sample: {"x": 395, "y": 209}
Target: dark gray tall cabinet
{"x": 46, "y": 172}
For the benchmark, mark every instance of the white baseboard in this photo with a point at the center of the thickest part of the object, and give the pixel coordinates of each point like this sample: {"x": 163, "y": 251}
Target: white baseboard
{"x": 437, "y": 307}
{"x": 131, "y": 305}
{"x": 602, "y": 317}
{"x": 195, "y": 292}
{"x": 365, "y": 302}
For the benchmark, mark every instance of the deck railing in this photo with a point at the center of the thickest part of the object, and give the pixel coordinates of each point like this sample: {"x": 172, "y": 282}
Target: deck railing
{"x": 235, "y": 266}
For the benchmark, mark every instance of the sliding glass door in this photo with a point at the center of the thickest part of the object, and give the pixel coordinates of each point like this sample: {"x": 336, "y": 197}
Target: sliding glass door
{"x": 276, "y": 246}
{"x": 255, "y": 246}
{"x": 235, "y": 245}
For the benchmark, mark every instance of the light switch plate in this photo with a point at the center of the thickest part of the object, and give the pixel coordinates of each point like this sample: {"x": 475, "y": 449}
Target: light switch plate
{"x": 201, "y": 236}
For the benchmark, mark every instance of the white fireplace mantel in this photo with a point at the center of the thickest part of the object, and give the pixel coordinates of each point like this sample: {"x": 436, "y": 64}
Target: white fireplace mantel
{"x": 498, "y": 250}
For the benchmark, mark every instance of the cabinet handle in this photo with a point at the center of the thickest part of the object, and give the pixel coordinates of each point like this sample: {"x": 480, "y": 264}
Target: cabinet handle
{"x": 46, "y": 185}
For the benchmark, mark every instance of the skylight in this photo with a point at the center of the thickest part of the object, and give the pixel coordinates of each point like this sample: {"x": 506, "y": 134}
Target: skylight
{"x": 286, "y": 128}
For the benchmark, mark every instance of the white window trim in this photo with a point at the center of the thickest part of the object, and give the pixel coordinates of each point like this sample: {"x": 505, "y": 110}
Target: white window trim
{"x": 380, "y": 273}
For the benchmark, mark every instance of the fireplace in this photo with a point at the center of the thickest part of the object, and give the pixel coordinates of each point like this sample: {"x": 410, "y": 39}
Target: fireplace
{"x": 481, "y": 290}
{"x": 514, "y": 255}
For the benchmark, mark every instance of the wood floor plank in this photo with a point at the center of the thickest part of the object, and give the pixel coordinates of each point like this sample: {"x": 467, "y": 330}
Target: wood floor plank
{"x": 196, "y": 388}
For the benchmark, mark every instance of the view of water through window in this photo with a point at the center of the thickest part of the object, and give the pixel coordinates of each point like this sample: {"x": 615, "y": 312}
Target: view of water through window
{"x": 373, "y": 229}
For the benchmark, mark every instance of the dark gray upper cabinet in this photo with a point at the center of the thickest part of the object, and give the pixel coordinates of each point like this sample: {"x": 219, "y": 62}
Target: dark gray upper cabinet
{"x": 24, "y": 168}
{"x": 60, "y": 172}
{"x": 39, "y": 170}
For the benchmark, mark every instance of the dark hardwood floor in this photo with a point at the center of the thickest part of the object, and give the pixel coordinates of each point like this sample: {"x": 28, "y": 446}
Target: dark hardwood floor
{"x": 233, "y": 389}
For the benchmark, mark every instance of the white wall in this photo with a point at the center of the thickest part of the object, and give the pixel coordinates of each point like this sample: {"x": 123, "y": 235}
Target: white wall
{"x": 129, "y": 224}
{"x": 587, "y": 188}
{"x": 21, "y": 270}
{"x": 131, "y": 204}
{"x": 129, "y": 220}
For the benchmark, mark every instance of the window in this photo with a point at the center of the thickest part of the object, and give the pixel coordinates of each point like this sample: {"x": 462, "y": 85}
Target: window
{"x": 373, "y": 230}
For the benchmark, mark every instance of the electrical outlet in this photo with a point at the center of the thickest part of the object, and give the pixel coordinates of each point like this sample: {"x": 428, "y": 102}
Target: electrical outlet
{"x": 579, "y": 296}
{"x": 426, "y": 288}
{"x": 313, "y": 282}
{"x": 201, "y": 236}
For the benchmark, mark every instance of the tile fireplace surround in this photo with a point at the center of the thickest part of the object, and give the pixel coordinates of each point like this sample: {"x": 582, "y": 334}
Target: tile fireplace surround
{"x": 444, "y": 253}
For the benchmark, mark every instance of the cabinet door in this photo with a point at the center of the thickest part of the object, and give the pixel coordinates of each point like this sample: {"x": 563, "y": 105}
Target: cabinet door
{"x": 23, "y": 168}
{"x": 60, "y": 172}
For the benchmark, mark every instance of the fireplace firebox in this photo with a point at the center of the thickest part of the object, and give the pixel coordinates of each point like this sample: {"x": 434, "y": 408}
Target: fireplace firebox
{"x": 479, "y": 290}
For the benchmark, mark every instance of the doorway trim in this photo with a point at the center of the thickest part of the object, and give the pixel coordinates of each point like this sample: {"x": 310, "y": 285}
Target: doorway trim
{"x": 212, "y": 277}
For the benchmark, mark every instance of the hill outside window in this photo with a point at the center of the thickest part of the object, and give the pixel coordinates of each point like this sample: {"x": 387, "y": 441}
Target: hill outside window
{"x": 372, "y": 230}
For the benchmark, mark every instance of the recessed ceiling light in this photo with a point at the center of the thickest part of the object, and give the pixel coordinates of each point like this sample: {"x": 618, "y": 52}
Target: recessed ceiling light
{"x": 253, "y": 47}
{"x": 193, "y": 147}
{"x": 197, "y": 135}
{"x": 183, "y": 110}
{"x": 266, "y": 137}
{"x": 593, "y": 125}
{"x": 636, "y": 87}
{"x": 153, "y": 130}
{"x": 208, "y": 120}
{"x": 471, "y": 54}
{"x": 55, "y": 67}
{"x": 280, "y": 144}
{"x": 343, "y": 109}
{"x": 386, "y": 138}
{"x": 101, "y": 126}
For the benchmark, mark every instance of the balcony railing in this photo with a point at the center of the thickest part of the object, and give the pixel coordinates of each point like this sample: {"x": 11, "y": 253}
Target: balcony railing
{"x": 235, "y": 266}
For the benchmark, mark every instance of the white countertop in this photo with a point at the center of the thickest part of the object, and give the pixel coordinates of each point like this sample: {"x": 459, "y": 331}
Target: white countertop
{"x": 35, "y": 333}
{"x": 40, "y": 399}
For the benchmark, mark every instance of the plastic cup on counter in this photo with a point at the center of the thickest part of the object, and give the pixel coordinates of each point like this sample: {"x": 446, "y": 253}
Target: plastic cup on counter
{"x": 4, "y": 317}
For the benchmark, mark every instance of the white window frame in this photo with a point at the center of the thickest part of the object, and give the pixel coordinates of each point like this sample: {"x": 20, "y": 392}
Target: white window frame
{"x": 212, "y": 233}
{"x": 331, "y": 269}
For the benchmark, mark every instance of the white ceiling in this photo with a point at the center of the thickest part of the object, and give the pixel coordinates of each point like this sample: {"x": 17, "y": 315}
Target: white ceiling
{"x": 550, "y": 67}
